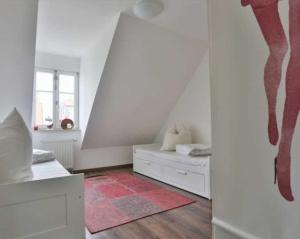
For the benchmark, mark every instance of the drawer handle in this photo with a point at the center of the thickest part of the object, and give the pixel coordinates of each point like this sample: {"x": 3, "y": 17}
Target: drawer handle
{"x": 181, "y": 172}
{"x": 147, "y": 163}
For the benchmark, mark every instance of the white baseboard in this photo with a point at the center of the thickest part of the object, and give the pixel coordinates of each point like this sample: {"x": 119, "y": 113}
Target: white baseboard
{"x": 232, "y": 229}
{"x": 103, "y": 157}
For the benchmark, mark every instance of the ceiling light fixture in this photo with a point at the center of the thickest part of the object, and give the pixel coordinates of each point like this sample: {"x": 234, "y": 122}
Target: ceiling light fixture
{"x": 148, "y": 9}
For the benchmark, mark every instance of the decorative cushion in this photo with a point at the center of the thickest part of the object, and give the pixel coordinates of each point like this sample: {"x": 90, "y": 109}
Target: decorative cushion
{"x": 177, "y": 134}
{"x": 15, "y": 149}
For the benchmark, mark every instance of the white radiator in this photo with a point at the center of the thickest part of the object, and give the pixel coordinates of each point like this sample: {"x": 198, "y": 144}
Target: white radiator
{"x": 63, "y": 150}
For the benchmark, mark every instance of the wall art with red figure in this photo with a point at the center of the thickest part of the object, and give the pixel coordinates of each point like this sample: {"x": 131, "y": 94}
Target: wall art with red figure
{"x": 270, "y": 23}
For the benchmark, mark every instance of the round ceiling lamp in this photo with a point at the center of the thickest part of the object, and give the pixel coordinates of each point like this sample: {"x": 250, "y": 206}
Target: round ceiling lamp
{"x": 148, "y": 9}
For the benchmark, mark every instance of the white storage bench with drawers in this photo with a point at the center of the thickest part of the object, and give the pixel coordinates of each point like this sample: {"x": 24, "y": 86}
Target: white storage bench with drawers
{"x": 189, "y": 173}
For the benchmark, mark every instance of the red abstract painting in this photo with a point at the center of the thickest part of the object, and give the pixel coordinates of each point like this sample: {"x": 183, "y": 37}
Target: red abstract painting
{"x": 267, "y": 15}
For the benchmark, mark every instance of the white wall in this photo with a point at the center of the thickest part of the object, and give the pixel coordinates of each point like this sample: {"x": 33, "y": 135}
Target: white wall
{"x": 225, "y": 234}
{"x": 193, "y": 107}
{"x": 17, "y": 46}
{"x": 244, "y": 196}
{"x": 103, "y": 157}
{"x": 57, "y": 62}
{"x": 147, "y": 69}
{"x": 92, "y": 65}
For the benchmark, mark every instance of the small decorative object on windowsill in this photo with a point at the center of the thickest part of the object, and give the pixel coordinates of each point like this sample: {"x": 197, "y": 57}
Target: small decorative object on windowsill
{"x": 49, "y": 123}
{"x": 67, "y": 124}
{"x": 50, "y": 126}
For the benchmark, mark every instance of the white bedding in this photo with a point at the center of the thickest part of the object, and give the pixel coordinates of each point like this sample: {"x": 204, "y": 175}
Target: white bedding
{"x": 46, "y": 170}
{"x": 154, "y": 150}
{"x": 185, "y": 149}
{"x": 52, "y": 169}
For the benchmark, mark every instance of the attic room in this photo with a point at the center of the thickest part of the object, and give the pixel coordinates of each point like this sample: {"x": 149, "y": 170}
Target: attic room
{"x": 127, "y": 66}
{"x": 111, "y": 89}
{"x": 153, "y": 119}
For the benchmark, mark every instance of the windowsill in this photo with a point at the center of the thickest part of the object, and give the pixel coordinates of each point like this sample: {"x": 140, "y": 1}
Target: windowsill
{"x": 56, "y": 130}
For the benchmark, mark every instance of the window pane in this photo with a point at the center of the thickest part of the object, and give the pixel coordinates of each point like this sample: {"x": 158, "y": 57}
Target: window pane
{"x": 44, "y": 81}
{"x": 67, "y": 83}
{"x": 66, "y": 106}
{"x": 44, "y": 108}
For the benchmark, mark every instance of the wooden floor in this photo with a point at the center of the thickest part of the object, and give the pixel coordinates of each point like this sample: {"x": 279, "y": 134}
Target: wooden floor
{"x": 189, "y": 222}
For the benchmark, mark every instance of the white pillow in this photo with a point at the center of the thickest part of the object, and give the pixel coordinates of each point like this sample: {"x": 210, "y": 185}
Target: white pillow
{"x": 15, "y": 149}
{"x": 177, "y": 134}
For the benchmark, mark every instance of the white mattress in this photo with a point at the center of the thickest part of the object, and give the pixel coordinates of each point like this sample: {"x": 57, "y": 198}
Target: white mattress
{"x": 51, "y": 169}
{"x": 154, "y": 151}
{"x": 47, "y": 170}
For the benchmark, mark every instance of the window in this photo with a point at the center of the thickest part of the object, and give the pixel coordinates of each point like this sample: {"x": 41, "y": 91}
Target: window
{"x": 55, "y": 98}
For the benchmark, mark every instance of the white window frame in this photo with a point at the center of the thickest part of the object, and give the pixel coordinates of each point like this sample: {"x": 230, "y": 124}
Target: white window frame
{"x": 56, "y": 73}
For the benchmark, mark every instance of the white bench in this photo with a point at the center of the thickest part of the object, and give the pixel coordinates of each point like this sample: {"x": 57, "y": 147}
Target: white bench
{"x": 189, "y": 173}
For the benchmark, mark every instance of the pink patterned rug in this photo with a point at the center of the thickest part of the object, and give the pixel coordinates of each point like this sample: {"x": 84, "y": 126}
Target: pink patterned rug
{"x": 119, "y": 198}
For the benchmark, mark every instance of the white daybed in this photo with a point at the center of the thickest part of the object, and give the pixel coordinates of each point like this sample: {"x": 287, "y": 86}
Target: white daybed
{"x": 189, "y": 173}
{"x": 50, "y": 206}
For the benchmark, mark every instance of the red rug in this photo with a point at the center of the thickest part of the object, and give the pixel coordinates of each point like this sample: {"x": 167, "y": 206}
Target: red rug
{"x": 119, "y": 198}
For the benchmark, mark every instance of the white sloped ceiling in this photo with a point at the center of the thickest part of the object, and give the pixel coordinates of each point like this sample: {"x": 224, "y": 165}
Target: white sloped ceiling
{"x": 146, "y": 70}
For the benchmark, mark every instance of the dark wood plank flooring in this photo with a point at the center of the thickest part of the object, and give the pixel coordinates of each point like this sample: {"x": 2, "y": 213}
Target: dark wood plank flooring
{"x": 189, "y": 222}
